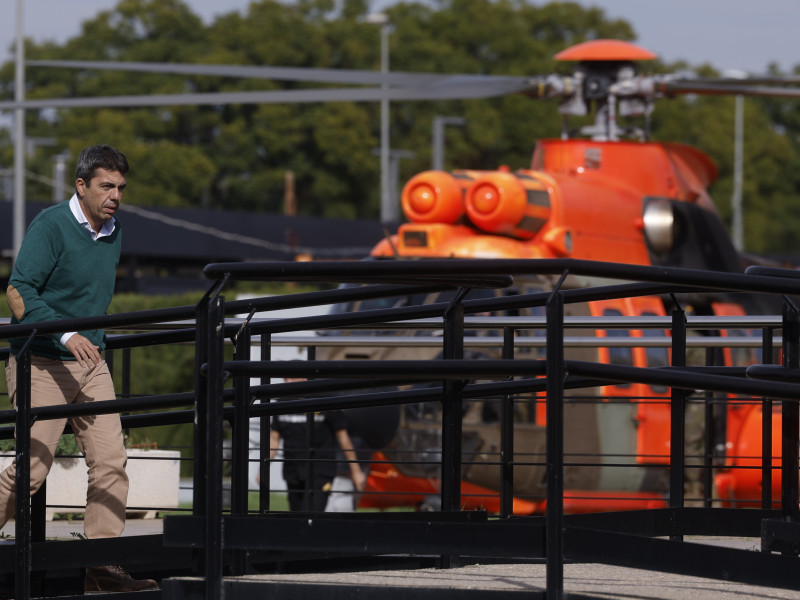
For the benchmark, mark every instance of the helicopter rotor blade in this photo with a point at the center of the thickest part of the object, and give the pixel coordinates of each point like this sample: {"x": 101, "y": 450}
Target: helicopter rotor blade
{"x": 732, "y": 87}
{"x": 250, "y": 71}
{"x": 547, "y": 86}
{"x": 454, "y": 89}
{"x": 750, "y": 79}
{"x": 396, "y": 86}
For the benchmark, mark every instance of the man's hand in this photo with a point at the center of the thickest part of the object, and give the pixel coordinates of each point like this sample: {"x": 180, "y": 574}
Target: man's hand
{"x": 359, "y": 478}
{"x": 84, "y": 351}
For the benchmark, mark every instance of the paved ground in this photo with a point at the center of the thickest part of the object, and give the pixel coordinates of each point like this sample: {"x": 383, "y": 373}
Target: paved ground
{"x": 599, "y": 581}
{"x": 64, "y": 529}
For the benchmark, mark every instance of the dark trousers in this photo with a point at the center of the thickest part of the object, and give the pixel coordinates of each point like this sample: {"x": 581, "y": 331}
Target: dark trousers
{"x": 317, "y": 494}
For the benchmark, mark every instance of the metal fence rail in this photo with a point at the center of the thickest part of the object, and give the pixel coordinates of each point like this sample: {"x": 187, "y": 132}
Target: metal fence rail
{"x": 562, "y": 537}
{"x": 230, "y": 540}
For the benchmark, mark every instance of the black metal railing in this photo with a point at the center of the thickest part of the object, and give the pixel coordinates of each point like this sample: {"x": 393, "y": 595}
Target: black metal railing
{"x": 559, "y": 373}
{"x": 232, "y": 540}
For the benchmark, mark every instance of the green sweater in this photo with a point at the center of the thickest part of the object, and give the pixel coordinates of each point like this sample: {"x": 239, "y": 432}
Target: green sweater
{"x": 62, "y": 273}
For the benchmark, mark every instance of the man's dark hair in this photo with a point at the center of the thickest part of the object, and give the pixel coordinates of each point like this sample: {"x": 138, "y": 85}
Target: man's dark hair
{"x": 100, "y": 157}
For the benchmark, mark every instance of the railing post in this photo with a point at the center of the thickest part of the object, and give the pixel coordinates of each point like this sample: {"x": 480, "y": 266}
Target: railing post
{"x": 213, "y": 448}
{"x": 677, "y": 459}
{"x": 452, "y": 410}
{"x": 507, "y": 436}
{"x": 708, "y": 435}
{"x": 766, "y": 426}
{"x": 554, "y": 521}
{"x": 22, "y": 529}
{"x": 264, "y": 463}
{"x": 310, "y": 464}
{"x": 201, "y": 393}
{"x": 241, "y": 423}
{"x": 207, "y": 496}
{"x": 241, "y": 439}
{"x": 453, "y": 348}
{"x": 790, "y": 413}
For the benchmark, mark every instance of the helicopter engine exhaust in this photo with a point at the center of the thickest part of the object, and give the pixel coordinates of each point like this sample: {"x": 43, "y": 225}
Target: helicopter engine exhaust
{"x": 437, "y": 196}
{"x": 514, "y": 204}
{"x": 498, "y": 202}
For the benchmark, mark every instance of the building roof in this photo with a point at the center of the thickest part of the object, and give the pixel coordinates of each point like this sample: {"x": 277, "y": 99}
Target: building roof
{"x": 165, "y": 249}
{"x": 203, "y": 236}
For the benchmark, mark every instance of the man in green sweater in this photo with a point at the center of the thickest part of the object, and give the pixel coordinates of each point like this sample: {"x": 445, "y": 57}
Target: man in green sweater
{"x": 65, "y": 269}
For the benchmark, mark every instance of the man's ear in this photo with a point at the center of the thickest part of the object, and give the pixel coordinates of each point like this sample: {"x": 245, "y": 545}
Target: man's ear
{"x": 80, "y": 186}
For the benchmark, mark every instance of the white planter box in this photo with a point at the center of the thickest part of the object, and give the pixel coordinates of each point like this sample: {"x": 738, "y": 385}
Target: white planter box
{"x": 154, "y": 482}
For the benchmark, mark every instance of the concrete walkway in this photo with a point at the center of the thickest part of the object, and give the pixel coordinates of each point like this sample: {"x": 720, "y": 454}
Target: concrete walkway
{"x": 65, "y": 529}
{"x": 594, "y": 580}
{"x": 586, "y": 579}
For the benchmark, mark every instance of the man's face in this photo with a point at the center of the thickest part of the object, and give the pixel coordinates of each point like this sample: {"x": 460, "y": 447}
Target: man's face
{"x": 101, "y": 196}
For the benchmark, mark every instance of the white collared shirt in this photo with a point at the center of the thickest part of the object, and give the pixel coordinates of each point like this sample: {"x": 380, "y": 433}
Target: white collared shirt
{"x": 77, "y": 212}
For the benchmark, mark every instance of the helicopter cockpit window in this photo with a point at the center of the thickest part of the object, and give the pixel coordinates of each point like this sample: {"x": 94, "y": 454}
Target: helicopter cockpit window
{"x": 618, "y": 355}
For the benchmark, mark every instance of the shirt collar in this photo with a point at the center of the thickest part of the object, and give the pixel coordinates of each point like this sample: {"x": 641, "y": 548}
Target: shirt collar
{"x": 77, "y": 212}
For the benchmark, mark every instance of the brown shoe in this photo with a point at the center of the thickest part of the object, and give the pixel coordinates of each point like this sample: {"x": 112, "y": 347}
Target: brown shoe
{"x": 114, "y": 579}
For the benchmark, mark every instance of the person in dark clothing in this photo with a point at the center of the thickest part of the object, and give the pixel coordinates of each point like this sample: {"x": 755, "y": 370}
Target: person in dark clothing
{"x": 312, "y": 453}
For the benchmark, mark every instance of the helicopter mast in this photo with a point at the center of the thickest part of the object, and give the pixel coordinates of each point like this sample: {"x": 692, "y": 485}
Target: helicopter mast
{"x": 605, "y": 77}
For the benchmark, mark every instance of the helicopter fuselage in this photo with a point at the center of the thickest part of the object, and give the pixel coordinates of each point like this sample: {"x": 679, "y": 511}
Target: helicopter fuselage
{"x": 580, "y": 199}
{"x": 643, "y": 203}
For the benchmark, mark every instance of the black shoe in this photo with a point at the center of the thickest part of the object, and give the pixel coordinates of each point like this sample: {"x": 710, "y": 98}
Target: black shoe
{"x": 114, "y": 579}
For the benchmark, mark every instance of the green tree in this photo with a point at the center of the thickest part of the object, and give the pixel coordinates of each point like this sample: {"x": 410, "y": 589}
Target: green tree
{"x": 769, "y": 179}
{"x": 237, "y": 156}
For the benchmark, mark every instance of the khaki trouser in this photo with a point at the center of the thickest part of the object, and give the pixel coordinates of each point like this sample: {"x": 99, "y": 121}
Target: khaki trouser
{"x": 56, "y": 383}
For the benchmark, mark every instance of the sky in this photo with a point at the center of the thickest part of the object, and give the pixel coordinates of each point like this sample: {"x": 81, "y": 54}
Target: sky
{"x": 745, "y": 35}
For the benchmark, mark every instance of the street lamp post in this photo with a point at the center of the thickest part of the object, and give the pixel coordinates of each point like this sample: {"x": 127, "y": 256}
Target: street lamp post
{"x": 737, "y": 222}
{"x": 18, "y": 225}
{"x": 389, "y": 211}
{"x": 59, "y": 172}
{"x": 737, "y": 218}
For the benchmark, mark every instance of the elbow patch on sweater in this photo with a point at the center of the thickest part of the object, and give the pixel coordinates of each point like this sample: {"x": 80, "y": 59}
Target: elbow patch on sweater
{"x": 15, "y": 302}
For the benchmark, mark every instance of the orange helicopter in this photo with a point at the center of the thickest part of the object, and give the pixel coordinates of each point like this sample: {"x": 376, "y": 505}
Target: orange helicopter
{"x": 609, "y": 194}
{"x": 597, "y": 198}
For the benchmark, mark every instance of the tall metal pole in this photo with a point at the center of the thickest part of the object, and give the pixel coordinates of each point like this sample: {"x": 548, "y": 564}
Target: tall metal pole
{"x": 18, "y": 228}
{"x": 737, "y": 224}
{"x": 59, "y": 171}
{"x": 389, "y": 212}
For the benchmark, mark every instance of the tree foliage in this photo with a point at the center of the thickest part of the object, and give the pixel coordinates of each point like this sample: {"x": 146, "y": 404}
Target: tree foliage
{"x": 237, "y": 157}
